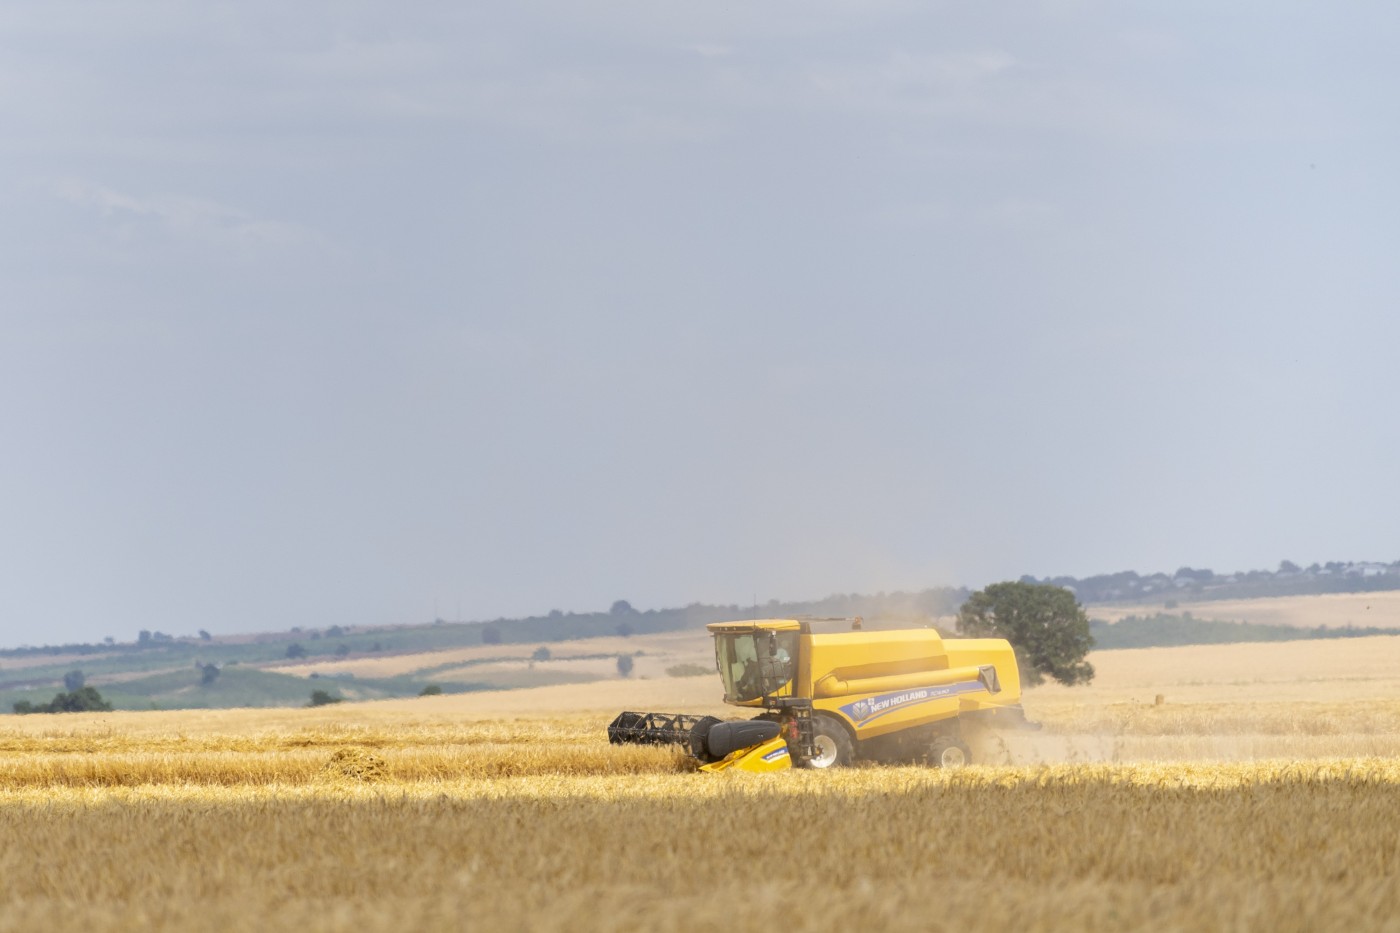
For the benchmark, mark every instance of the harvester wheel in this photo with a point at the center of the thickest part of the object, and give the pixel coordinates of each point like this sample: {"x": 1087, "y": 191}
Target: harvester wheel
{"x": 948, "y": 752}
{"x": 833, "y": 744}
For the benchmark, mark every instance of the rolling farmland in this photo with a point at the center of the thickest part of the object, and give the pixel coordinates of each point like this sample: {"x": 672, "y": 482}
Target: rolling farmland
{"x": 1259, "y": 792}
{"x": 1335, "y": 610}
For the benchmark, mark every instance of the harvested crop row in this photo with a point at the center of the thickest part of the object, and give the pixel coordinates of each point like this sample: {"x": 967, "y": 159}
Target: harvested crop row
{"x": 296, "y": 766}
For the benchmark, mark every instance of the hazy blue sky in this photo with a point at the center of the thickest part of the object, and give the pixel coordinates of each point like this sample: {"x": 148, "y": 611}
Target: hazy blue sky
{"x": 362, "y": 312}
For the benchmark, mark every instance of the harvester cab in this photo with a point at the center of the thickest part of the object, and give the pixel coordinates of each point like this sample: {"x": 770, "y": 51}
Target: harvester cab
{"x": 756, "y": 665}
{"x": 831, "y": 698}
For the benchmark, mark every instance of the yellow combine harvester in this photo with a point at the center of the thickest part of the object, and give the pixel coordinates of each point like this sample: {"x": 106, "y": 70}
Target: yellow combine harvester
{"x": 830, "y": 698}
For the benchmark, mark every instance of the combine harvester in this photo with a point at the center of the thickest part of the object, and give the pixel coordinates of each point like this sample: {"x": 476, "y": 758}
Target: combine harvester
{"x": 832, "y": 698}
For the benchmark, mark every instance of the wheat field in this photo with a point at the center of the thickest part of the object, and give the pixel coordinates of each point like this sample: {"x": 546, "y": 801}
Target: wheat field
{"x": 1262, "y": 792}
{"x": 1334, "y": 610}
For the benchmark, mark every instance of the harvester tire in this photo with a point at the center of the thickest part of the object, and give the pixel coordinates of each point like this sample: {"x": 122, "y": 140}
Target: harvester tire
{"x": 948, "y": 752}
{"x": 834, "y": 749}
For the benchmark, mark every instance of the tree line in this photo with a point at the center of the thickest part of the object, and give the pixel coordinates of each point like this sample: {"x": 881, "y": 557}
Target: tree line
{"x": 1196, "y": 584}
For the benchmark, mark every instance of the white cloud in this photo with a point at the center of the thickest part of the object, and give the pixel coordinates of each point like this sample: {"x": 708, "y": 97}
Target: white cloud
{"x": 712, "y": 50}
{"x": 197, "y": 220}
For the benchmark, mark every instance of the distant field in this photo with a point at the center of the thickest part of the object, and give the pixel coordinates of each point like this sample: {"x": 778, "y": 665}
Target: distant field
{"x": 582, "y": 660}
{"x": 1226, "y": 703}
{"x": 150, "y": 680}
{"x": 1379, "y": 610}
{"x": 401, "y": 662}
{"x": 1259, "y": 794}
{"x": 25, "y": 662}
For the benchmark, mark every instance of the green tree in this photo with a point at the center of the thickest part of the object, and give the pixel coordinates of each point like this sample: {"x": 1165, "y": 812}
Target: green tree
{"x": 541, "y": 654}
{"x": 324, "y": 698}
{"x": 431, "y": 690}
{"x": 624, "y": 665}
{"x": 1044, "y": 623}
{"x": 208, "y": 673}
{"x": 73, "y": 680}
{"x": 82, "y": 700}
{"x": 295, "y": 650}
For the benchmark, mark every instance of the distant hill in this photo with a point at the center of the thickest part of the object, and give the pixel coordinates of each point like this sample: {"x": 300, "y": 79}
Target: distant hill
{"x": 1191, "y": 585}
{"x": 1166, "y": 630}
{"x": 166, "y": 671}
{"x": 621, "y": 619}
{"x": 206, "y": 671}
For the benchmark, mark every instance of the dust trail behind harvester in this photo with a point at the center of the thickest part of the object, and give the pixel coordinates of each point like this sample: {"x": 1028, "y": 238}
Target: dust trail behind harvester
{"x": 1198, "y": 736}
{"x": 1032, "y": 747}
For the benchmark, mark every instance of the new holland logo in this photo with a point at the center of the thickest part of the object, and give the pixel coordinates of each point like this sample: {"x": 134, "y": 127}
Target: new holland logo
{"x": 862, "y": 711}
{"x": 776, "y": 753}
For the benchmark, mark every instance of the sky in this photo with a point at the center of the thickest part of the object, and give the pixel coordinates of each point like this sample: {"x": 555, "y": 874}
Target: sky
{"x": 364, "y": 313}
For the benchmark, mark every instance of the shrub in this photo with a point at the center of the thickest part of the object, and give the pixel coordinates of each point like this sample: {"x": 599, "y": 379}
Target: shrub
{"x": 82, "y": 700}
{"x": 689, "y": 670}
{"x": 323, "y": 698}
{"x": 431, "y": 690}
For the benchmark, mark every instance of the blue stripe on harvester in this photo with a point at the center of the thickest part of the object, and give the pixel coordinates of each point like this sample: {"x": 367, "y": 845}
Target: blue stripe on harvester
{"x": 872, "y": 708}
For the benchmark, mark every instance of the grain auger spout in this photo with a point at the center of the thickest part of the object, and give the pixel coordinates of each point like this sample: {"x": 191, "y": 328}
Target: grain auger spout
{"x": 826, "y": 698}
